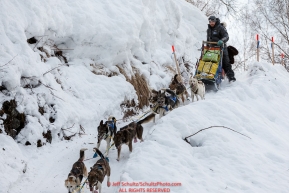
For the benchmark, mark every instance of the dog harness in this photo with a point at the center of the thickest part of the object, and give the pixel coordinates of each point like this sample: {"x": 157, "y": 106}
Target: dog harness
{"x": 166, "y": 108}
{"x": 173, "y": 98}
{"x": 196, "y": 91}
{"x": 155, "y": 109}
{"x": 111, "y": 127}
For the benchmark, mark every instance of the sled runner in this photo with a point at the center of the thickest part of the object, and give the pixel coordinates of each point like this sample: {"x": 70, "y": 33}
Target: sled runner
{"x": 209, "y": 66}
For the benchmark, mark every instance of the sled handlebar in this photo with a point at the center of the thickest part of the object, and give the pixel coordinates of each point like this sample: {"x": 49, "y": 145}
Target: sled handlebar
{"x": 213, "y": 43}
{"x": 210, "y": 42}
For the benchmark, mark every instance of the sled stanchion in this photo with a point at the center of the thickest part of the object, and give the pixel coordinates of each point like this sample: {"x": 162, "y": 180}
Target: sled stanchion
{"x": 258, "y": 49}
{"x": 272, "y": 45}
{"x": 177, "y": 64}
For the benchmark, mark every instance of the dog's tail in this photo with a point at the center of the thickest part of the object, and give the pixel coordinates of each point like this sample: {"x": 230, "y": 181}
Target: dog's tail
{"x": 81, "y": 157}
{"x": 147, "y": 118}
{"x": 98, "y": 152}
{"x": 175, "y": 78}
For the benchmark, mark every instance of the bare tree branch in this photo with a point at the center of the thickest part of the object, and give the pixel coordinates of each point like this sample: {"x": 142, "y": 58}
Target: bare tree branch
{"x": 9, "y": 61}
{"x": 54, "y": 68}
{"x": 213, "y": 127}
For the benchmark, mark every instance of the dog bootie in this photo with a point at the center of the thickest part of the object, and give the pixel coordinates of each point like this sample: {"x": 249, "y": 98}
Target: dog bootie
{"x": 135, "y": 140}
{"x": 107, "y": 159}
{"x": 95, "y": 155}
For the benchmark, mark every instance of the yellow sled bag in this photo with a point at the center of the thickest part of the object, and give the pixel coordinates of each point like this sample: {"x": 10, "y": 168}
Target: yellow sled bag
{"x": 207, "y": 67}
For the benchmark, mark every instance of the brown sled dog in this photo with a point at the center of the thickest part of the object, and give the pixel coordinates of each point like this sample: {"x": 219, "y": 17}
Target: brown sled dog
{"x": 76, "y": 174}
{"x": 97, "y": 172}
{"x": 129, "y": 132}
{"x": 179, "y": 88}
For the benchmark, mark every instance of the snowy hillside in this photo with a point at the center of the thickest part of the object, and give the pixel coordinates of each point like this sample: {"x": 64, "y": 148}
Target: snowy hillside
{"x": 115, "y": 39}
{"x": 216, "y": 160}
{"x": 65, "y": 66}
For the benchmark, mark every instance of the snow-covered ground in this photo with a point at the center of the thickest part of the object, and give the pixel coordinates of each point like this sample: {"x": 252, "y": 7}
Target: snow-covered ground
{"x": 134, "y": 35}
{"x": 218, "y": 159}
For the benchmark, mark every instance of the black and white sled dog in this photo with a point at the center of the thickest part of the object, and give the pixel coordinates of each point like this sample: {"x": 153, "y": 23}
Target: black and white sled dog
{"x": 197, "y": 88}
{"x": 167, "y": 100}
{"x": 106, "y": 131}
{"x": 76, "y": 174}
{"x": 163, "y": 101}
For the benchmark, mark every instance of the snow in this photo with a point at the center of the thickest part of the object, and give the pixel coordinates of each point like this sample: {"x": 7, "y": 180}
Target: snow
{"x": 102, "y": 37}
{"x": 219, "y": 160}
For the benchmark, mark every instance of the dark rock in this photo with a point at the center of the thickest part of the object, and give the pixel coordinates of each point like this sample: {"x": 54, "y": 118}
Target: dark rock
{"x": 27, "y": 143}
{"x": 32, "y": 40}
{"x": 14, "y": 121}
{"x": 41, "y": 110}
{"x": 39, "y": 144}
{"x": 51, "y": 120}
{"x": 48, "y": 136}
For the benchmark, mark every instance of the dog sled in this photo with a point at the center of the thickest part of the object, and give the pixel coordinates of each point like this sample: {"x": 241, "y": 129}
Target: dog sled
{"x": 209, "y": 66}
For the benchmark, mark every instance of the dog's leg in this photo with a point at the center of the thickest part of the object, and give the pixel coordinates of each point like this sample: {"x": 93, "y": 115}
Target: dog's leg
{"x": 107, "y": 144}
{"x": 139, "y": 132}
{"x": 99, "y": 186}
{"x": 160, "y": 114}
{"x": 108, "y": 181}
{"x": 193, "y": 96}
{"x": 130, "y": 146}
{"x": 204, "y": 92}
{"x": 187, "y": 94}
{"x": 98, "y": 143}
{"x": 118, "y": 153}
{"x": 85, "y": 171}
{"x": 108, "y": 175}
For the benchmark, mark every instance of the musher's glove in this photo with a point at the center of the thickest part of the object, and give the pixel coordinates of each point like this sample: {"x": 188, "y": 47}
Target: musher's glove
{"x": 220, "y": 43}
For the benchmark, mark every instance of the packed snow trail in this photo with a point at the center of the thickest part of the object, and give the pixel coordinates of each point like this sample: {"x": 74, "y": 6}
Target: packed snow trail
{"x": 48, "y": 166}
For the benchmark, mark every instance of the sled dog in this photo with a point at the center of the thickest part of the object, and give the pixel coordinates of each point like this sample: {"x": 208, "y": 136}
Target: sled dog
{"x": 197, "y": 88}
{"x": 179, "y": 88}
{"x": 98, "y": 172}
{"x": 106, "y": 131}
{"x": 76, "y": 174}
{"x": 130, "y": 132}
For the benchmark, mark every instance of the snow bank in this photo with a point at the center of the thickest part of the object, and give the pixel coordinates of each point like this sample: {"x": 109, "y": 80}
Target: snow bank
{"x": 101, "y": 32}
{"x": 12, "y": 162}
{"x": 218, "y": 159}
{"x": 96, "y": 36}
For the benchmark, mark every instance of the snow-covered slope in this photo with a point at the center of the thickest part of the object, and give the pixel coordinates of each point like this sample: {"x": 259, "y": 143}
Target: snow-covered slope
{"x": 218, "y": 159}
{"x": 133, "y": 35}
{"x": 95, "y": 36}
